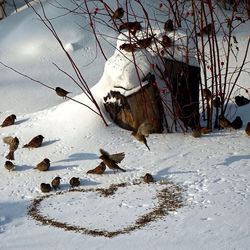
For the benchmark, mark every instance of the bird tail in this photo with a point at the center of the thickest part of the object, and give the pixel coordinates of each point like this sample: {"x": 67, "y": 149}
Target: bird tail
{"x": 145, "y": 142}
{"x": 91, "y": 171}
{"x": 123, "y": 170}
{"x": 26, "y": 146}
{"x": 10, "y": 155}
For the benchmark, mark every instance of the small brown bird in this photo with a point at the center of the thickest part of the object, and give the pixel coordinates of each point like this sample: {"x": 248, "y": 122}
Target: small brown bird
{"x": 118, "y": 14}
{"x": 207, "y": 30}
{"x": 148, "y": 178}
{"x": 98, "y": 170}
{"x": 145, "y": 43}
{"x": 207, "y": 94}
{"x": 196, "y": 133}
{"x": 45, "y": 187}
{"x": 9, "y": 165}
{"x": 35, "y": 142}
{"x": 44, "y": 165}
{"x": 112, "y": 160}
{"x": 241, "y": 100}
{"x": 10, "y": 120}
{"x": 74, "y": 182}
{"x": 205, "y": 130}
{"x": 237, "y": 123}
{"x": 168, "y": 26}
{"x": 142, "y": 132}
{"x": 166, "y": 41}
{"x": 133, "y": 27}
{"x": 56, "y": 182}
{"x": 248, "y": 129}
{"x": 61, "y": 92}
{"x": 128, "y": 47}
{"x": 12, "y": 147}
{"x": 224, "y": 122}
{"x": 8, "y": 139}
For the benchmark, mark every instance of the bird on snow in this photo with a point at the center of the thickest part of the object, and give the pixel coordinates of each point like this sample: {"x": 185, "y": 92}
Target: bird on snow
{"x": 148, "y": 178}
{"x": 74, "y": 182}
{"x": 45, "y": 187}
{"x": 12, "y": 148}
{"x": 44, "y": 165}
{"x": 35, "y": 142}
{"x": 9, "y": 165}
{"x": 55, "y": 183}
{"x": 10, "y": 120}
{"x": 248, "y": 129}
{"x": 237, "y": 123}
{"x": 98, "y": 170}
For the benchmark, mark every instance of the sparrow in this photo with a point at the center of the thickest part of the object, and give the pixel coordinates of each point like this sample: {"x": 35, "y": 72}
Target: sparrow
{"x": 118, "y": 14}
{"x": 237, "y": 123}
{"x": 133, "y": 27}
{"x": 142, "y": 132}
{"x": 207, "y": 94}
{"x": 44, "y": 165}
{"x": 148, "y": 178}
{"x": 45, "y": 187}
{"x": 166, "y": 41}
{"x": 112, "y": 160}
{"x": 56, "y": 182}
{"x": 144, "y": 43}
{"x": 74, "y": 182}
{"x": 206, "y": 29}
{"x": 61, "y": 92}
{"x": 35, "y": 142}
{"x": 248, "y": 129}
{"x": 128, "y": 47}
{"x": 196, "y": 133}
{"x": 12, "y": 147}
{"x": 205, "y": 130}
{"x": 10, "y": 120}
{"x": 98, "y": 170}
{"x": 168, "y": 25}
{"x": 224, "y": 122}
{"x": 241, "y": 100}
{"x": 9, "y": 165}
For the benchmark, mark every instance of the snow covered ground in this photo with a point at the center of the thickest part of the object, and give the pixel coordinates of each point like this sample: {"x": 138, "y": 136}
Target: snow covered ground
{"x": 213, "y": 170}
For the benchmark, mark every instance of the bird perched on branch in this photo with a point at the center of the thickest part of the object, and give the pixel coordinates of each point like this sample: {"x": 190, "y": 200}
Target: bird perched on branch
{"x": 55, "y": 183}
{"x": 9, "y": 165}
{"x": 145, "y": 43}
{"x": 248, "y": 129}
{"x": 118, "y": 14}
{"x": 112, "y": 160}
{"x": 224, "y": 122}
{"x": 142, "y": 132}
{"x": 133, "y": 27}
{"x": 35, "y": 142}
{"x": 98, "y": 170}
{"x": 241, "y": 100}
{"x": 237, "y": 123}
{"x": 10, "y": 120}
{"x": 207, "y": 30}
{"x": 12, "y": 148}
{"x": 128, "y": 47}
{"x": 44, "y": 165}
{"x": 61, "y": 92}
{"x": 148, "y": 178}
{"x": 166, "y": 41}
{"x": 168, "y": 25}
{"x": 45, "y": 187}
{"x": 74, "y": 182}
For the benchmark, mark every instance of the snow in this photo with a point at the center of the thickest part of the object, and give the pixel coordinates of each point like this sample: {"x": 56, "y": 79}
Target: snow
{"x": 213, "y": 170}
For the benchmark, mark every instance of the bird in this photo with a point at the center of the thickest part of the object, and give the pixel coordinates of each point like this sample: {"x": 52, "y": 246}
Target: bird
{"x": 224, "y": 122}
{"x": 207, "y": 94}
{"x": 166, "y": 41}
{"x": 45, "y": 187}
{"x": 168, "y": 25}
{"x": 9, "y": 165}
{"x": 207, "y": 30}
{"x": 118, "y": 14}
{"x": 248, "y": 129}
{"x": 241, "y": 100}
{"x": 148, "y": 178}
{"x": 98, "y": 170}
{"x": 145, "y": 43}
{"x": 133, "y": 27}
{"x": 196, "y": 133}
{"x": 74, "y": 182}
{"x": 128, "y": 47}
{"x": 10, "y": 120}
{"x": 55, "y": 183}
{"x": 12, "y": 148}
{"x": 8, "y": 139}
{"x": 35, "y": 142}
{"x": 111, "y": 160}
{"x": 205, "y": 130}
{"x": 142, "y": 132}
{"x": 44, "y": 165}
{"x": 61, "y": 92}
{"x": 237, "y": 123}
{"x": 217, "y": 102}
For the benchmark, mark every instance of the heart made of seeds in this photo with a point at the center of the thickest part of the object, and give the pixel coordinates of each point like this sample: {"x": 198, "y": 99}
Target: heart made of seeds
{"x": 119, "y": 209}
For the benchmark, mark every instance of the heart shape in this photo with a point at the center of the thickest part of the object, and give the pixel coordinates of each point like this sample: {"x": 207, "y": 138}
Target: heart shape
{"x": 72, "y": 209}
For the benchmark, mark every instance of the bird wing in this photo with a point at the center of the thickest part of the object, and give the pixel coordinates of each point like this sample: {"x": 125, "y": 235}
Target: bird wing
{"x": 8, "y": 139}
{"x": 117, "y": 157}
{"x": 103, "y": 152}
{"x": 145, "y": 128}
